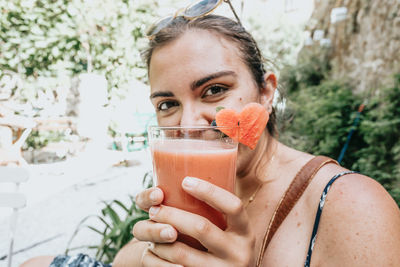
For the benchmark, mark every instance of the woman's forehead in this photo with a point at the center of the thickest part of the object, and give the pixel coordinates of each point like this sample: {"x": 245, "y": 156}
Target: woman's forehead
{"x": 195, "y": 51}
{"x": 201, "y": 38}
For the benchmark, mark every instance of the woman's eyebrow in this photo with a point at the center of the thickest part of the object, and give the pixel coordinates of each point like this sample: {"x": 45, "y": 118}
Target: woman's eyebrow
{"x": 210, "y": 77}
{"x": 161, "y": 94}
{"x": 196, "y": 83}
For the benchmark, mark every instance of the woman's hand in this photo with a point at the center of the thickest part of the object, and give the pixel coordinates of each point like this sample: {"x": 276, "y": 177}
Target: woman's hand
{"x": 149, "y": 230}
{"x": 232, "y": 247}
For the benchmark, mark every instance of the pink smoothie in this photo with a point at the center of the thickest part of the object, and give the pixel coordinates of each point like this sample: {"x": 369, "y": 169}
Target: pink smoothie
{"x": 212, "y": 161}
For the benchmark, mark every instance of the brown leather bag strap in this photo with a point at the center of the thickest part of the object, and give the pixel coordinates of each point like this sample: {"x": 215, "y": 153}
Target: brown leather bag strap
{"x": 290, "y": 198}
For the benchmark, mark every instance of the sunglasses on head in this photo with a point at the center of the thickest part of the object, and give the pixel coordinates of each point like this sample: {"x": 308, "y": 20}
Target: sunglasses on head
{"x": 193, "y": 11}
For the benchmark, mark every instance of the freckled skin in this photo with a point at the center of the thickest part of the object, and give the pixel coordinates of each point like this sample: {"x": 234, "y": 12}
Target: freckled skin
{"x": 202, "y": 58}
{"x": 360, "y": 224}
{"x": 198, "y": 53}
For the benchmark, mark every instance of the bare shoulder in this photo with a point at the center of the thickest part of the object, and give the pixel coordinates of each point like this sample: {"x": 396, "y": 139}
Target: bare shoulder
{"x": 361, "y": 223}
{"x": 355, "y": 191}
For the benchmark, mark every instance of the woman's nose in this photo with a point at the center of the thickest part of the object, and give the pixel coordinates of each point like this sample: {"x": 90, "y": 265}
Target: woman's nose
{"x": 192, "y": 116}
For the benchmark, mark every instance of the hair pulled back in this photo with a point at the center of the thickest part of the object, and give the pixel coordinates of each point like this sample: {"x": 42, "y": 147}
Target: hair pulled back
{"x": 227, "y": 28}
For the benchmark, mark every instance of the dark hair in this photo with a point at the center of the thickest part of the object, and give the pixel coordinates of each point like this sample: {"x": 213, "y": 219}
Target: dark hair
{"x": 231, "y": 30}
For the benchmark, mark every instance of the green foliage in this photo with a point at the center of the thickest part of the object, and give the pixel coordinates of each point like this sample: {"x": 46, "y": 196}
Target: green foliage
{"x": 304, "y": 74}
{"x": 320, "y": 113}
{"x": 326, "y": 116}
{"x": 117, "y": 220}
{"x": 380, "y": 129}
{"x": 38, "y": 140}
{"x": 44, "y": 40}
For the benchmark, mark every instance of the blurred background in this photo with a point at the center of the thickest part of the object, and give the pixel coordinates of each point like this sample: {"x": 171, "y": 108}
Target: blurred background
{"x": 74, "y": 104}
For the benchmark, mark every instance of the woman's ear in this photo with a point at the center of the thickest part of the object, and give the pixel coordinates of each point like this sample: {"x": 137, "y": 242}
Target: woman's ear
{"x": 268, "y": 92}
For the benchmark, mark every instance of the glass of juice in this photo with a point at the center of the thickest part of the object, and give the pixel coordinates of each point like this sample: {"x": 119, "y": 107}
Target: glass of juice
{"x": 203, "y": 152}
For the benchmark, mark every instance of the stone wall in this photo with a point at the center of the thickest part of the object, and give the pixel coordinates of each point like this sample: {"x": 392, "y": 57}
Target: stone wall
{"x": 362, "y": 45}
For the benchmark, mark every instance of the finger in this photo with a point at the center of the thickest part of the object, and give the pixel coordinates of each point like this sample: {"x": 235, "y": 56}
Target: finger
{"x": 196, "y": 226}
{"x": 151, "y": 260}
{"x": 154, "y": 232}
{"x": 180, "y": 253}
{"x": 149, "y": 197}
{"x": 221, "y": 200}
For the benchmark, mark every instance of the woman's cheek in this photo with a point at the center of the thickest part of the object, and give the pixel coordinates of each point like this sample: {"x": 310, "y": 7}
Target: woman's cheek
{"x": 168, "y": 119}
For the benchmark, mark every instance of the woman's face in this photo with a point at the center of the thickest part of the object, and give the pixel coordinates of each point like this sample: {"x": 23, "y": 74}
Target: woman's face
{"x": 196, "y": 73}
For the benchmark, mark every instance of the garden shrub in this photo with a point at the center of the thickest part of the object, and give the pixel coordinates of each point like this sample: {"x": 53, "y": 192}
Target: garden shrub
{"x": 117, "y": 220}
{"x": 380, "y": 129}
{"x": 320, "y": 113}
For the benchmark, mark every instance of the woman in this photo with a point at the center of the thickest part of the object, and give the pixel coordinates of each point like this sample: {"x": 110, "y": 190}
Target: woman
{"x": 195, "y": 66}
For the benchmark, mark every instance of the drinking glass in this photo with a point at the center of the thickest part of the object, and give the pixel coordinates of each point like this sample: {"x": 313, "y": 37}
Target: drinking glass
{"x": 204, "y": 152}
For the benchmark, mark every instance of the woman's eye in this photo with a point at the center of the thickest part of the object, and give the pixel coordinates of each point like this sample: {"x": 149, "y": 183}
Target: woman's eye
{"x": 214, "y": 90}
{"x": 163, "y": 106}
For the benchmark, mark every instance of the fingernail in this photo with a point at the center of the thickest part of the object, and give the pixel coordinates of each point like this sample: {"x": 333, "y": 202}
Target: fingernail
{"x": 153, "y": 211}
{"x": 189, "y": 182}
{"x": 167, "y": 233}
{"x": 150, "y": 246}
{"x": 154, "y": 195}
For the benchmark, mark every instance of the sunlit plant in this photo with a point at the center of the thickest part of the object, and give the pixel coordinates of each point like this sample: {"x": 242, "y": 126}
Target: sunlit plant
{"x": 117, "y": 220}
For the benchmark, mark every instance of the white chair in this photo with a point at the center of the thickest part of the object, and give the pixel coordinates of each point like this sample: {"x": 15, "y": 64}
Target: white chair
{"x": 14, "y": 200}
{"x": 10, "y": 150}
